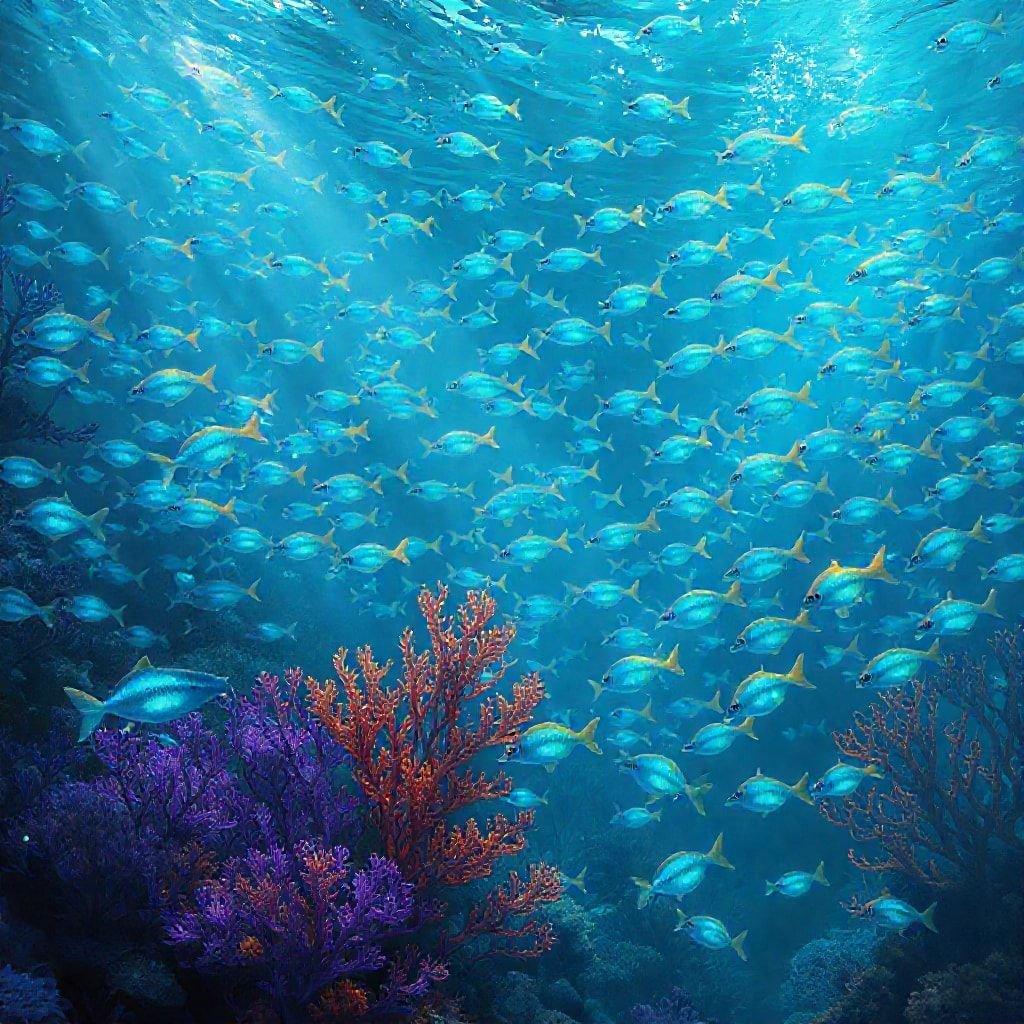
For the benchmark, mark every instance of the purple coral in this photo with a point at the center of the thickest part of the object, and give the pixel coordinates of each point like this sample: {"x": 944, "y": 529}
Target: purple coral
{"x": 289, "y": 763}
{"x": 297, "y": 922}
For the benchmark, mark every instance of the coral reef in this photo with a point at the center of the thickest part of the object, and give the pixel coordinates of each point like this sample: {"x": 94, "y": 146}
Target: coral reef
{"x": 675, "y": 1008}
{"x": 821, "y": 970}
{"x": 967, "y": 993}
{"x": 22, "y": 300}
{"x": 29, "y": 999}
{"x": 950, "y": 749}
{"x": 412, "y": 751}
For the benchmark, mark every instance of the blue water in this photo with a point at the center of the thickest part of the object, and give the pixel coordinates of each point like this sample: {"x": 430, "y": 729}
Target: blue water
{"x": 244, "y": 86}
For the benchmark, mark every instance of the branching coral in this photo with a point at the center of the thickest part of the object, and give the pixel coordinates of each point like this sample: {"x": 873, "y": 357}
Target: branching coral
{"x": 951, "y": 752}
{"x": 298, "y": 922}
{"x": 412, "y": 746}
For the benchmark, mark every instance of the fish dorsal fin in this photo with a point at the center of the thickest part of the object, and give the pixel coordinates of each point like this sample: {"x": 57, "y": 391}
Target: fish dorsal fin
{"x": 949, "y": 595}
{"x": 142, "y": 663}
{"x": 833, "y": 564}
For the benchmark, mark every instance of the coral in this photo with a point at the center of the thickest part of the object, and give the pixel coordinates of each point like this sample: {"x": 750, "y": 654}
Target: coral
{"x": 28, "y": 999}
{"x": 289, "y": 763}
{"x": 299, "y": 922}
{"x": 675, "y": 1008}
{"x": 821, "y": 969}
{"x": 146, "y": 981}
{"x": 967, "y": 993}
{"x": 952, "y": 793}
{"x": 412, "y": 747}
{"x": 23, "y": 300}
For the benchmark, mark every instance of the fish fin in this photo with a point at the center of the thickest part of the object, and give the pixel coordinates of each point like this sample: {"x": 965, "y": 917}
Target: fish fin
{"x": 928, "y": 918}
{"x": 715, "y": 854}
{"x": 876, "y": 567}
{"x": 251, "y": 590}
{"x": 796, "y": 674}
{"x": 89, "y": 707}
{"x": 747, "y": 727}
{"x": 737, "y": 945}
{"x": 586, "y": 736}
{"x": 645, "y": 892}
{"x": 800, "y": 791}
{"x": 819, "y": 874}
{"x": 715, "y": 704}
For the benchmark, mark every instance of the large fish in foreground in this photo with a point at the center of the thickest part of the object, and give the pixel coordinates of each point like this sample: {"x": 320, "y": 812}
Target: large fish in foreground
{"x": 147, "y": 694}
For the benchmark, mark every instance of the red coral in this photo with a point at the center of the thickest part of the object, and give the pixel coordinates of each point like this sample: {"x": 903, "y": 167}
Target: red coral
{"x": 412, "y": 746}
{"x": 952, "y": 793}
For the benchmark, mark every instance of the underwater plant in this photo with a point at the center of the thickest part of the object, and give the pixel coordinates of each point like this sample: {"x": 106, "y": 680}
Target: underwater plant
{"x": 412, "y": 746}
{"x": 22, "y": 300}
{"x": 950, "y": 749}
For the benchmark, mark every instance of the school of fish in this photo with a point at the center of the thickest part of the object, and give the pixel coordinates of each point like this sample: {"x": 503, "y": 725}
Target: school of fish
{"x": 756, "y": 420}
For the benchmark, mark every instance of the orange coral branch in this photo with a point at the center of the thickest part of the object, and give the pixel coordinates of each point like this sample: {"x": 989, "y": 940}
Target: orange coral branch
{"x": 411, "y": 746}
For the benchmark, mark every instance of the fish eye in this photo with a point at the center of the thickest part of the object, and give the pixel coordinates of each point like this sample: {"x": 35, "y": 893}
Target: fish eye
{"x": 658, "y": 453}
{"x": 668, "y": 616}
{"x": 728, "y": 154}
{"x": 646, "y": 30}
{"x": 865, "y": 677}
{"x": 993, "y": 82}
{"x": 787, "y": 201}
{"x": 740, "y": 641}
{"x": 925, "y": 624}
{"x": 735, "y": 478}
{"x": 941, "y": 42}
{"x": 511, "y": 750}
{"x": 496, "y": 48}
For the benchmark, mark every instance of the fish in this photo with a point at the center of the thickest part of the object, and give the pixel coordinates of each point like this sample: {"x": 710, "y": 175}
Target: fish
{"x": 681, "y": 873}
{"x": 147, "y": 694}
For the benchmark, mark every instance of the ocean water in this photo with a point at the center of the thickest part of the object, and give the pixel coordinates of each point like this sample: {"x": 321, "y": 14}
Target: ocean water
{"x": 733, "y": 289}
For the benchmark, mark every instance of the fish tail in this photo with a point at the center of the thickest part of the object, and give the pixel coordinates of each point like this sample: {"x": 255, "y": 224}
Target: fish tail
{"x": 95, "y": 523}
{"x": 737, "y": 945}
{"x": 587, "y": 735}
{"x": 598, "y": 689}
{"x": 803, "y": 621}
{"x": 796, "y": 552}
{"x": 796, "y": 674}
{"x": 206, "y": 379}
{"x": 928, "y": 914}
{"x": 299, "y": 475}
{"x": 671, "y": 663}
{"x": 721, "y": 198}
{"x": 769, "y": 888}
{"x": 695, "y": 794}
{"x": 715, "y": 704}
{"x": 724, "y": 502}
{"x": 513, "y": 110}
{"x": 398, "y": 552}
{"x": 98, "y": 325}
{"x": 647, "y": 711}
{"x": 89, "y": 707}
{"x": 734, "y": 596}
{"x": 251, "y": 430}
{"x": 250, "y": 590}
{"x": 796, "y": 140}
{"x": 819, "y": 874}
{"x": 747, "y": 727}
{"x": 989, "y": 605}
{"x": 800, "y": 791}
{"x": 644, "y": 898}
{"x": 715, "y": 854}
{"x": 843, "y": 192}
